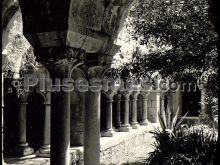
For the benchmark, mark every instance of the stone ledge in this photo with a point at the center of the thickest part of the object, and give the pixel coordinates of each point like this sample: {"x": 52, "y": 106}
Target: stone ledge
{"x": 124, "y": 142}
{"x": 119, "y": 137}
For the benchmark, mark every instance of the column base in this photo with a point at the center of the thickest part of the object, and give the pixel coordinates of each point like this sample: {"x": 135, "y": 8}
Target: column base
{"x": 44, "y": 151}
{"x": 21, "y": 151}
{"x": 146, "y": 122}
{"x": 118, "y": 125}
{"x": 108, "y": 133}
{"x": 125, "y": 128}
{"x": 135, "y": 125}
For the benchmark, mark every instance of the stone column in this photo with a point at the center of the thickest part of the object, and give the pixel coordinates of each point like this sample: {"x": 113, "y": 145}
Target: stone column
{"x": 92, "y": 129}
{"x": 22, "y": 148}
{"x": 44, "y": 150}
{"x": 60, "y": 113}
{"x": 108, "y": 130}
{"x": 162, "y": 107}
{"x": 118, "y": 111}
{"x": 125, "y": 127}
{"x": 2, "y": 121}
{"x": 92, "y": 118}
{"x": 144, "y": 120}
{"x": 154, "y": 108}
{"x": 134, "y": 123}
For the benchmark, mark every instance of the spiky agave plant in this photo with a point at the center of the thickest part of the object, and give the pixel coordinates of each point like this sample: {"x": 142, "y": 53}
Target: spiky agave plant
{"x": 168, "y": 119}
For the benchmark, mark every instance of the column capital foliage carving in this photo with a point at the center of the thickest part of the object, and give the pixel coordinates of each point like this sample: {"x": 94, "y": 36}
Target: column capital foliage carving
{"x": 109, "y": 94}
{"x": 134, "y": 95}
{"x": 59, "y": 60}
{"x": 118, "y": 97}
{"x": 125, "y": 94}
{"x": 144, "y": 94}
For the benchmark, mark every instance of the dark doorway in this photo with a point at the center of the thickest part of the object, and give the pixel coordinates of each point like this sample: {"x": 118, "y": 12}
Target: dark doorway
{"x": 11, "y": 105}
{"x": 191, "y": 102}
{"x": 35, "y": 119}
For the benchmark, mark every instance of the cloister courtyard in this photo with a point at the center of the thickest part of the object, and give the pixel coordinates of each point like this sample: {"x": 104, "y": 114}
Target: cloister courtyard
{"x": 109, "y": 82}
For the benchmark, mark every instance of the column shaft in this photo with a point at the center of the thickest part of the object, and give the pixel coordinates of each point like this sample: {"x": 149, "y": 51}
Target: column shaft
{"x": 118, "y": 111}
{"x": 22, "y": 148}
{"x": 92, "y": 129}
{"x": 60, "y": 128}
{"x": 134, "y": 123}
{"x": 22, "y": 124}
{"x": 2, "y": 121}
{"x": 144, "y": 112}
{"x": 108, "y": 130}
{"x": 125, "y": 127}
{"x": 44, "y": 151}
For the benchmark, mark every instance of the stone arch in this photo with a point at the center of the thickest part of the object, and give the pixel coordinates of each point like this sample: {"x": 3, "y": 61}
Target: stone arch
{"x": 10, "y": 9}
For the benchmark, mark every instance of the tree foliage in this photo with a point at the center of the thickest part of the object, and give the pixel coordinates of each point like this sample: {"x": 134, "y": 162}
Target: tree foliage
{"x": 18, "y": 52}
{"x": 184, "y": 35}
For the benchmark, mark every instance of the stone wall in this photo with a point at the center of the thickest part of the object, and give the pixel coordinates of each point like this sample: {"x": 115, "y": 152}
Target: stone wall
{"x": 121, "y": 148}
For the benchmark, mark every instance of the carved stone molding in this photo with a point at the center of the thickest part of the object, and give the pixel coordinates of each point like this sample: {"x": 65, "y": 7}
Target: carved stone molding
{"x": 109, "y": 95}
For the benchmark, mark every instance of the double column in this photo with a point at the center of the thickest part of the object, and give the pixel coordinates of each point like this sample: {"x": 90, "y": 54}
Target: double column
{"x": 22, "y": 148}
{"x": 144, "y": 120}
{"x": 134, "y": 123}
{"x": 118, "y": 111}
{"x": 44, "y": 150}
{"x": 125, "y": 127}
{"x": 109, "y": 129}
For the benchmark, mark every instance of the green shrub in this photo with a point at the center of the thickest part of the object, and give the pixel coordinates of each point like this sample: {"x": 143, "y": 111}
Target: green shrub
{"x": 184, "y": 147}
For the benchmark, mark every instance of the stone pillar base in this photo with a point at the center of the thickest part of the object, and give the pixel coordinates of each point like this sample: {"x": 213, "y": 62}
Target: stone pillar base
{"x": 118, "y": 125}
{"x": 108, "y": 133}
{"x": 135, "y": 125}
{"x": 145, "y": 123}
{"x": 44, "y": 151}
{"x": 21, "y": 151}
{"x": 125, "y": 128}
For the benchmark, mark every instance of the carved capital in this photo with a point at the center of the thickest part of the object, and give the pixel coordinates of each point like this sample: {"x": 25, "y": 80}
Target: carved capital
{"x": 110, "y": 94}
{"x": 55, "y": 54}
{"x": 118, "y": 97}
{"x": 134, "y": 95}
{"x": 95, "y": 72}
{"x": 59, "y": 60}
{"x": 145, "y": 95}
{"x": 125, "y": 95}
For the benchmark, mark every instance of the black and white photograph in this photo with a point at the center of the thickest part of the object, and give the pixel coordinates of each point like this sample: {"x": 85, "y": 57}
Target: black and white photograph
{"x": 109, "y": 82}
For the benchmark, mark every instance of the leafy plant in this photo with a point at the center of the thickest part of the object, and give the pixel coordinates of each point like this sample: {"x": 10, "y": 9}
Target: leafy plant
{"x": 184, "y": 147}
{"x": 168, "y": 119}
